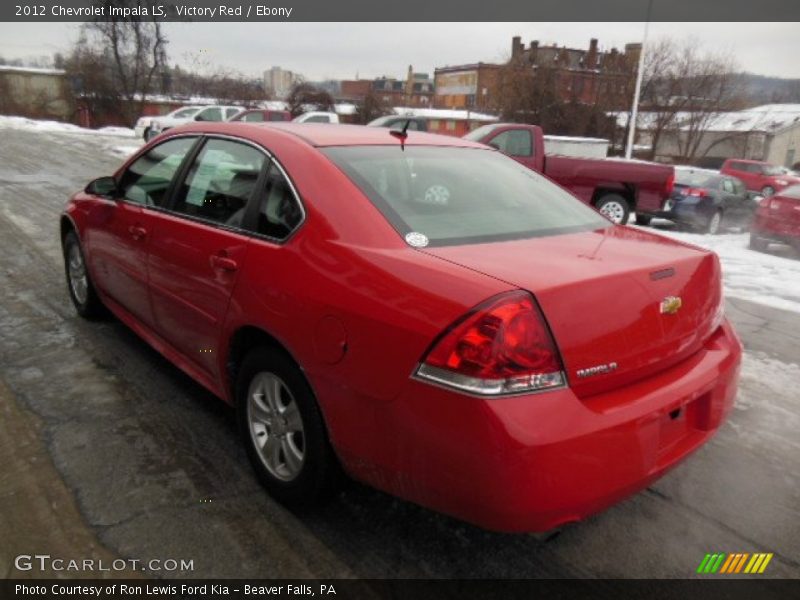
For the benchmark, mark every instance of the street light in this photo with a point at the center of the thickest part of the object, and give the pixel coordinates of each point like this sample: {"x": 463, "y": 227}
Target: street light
{"x": 638, "y": 87}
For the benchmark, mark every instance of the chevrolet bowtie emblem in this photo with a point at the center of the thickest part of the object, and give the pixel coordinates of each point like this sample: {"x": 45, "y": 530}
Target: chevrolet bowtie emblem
{"x": 670, "y": 305}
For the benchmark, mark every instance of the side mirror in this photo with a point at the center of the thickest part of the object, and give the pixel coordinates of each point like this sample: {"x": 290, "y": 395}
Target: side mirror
{"x": 102, "y": 186}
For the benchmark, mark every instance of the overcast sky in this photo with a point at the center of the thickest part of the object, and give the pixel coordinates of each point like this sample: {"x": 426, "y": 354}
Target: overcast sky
{"x": 340, "y": 50}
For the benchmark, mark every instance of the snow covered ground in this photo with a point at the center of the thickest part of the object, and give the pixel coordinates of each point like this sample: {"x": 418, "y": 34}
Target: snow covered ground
{"x": 771, "y": 279}
{"x": 120, "y": 141}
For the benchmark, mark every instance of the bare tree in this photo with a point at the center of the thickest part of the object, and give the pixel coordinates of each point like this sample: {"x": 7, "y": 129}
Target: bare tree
{"x": 131, "y": 54}
{"x": 371, "y": 107}
{"x": 684, "y": 89}
{"x": 304, "y": 96}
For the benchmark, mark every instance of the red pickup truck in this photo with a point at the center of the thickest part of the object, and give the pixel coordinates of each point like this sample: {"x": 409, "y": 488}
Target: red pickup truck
{"x": 614, "y": 186}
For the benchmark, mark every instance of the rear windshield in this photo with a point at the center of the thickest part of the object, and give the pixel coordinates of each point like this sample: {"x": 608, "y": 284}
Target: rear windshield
{"x": 461, "y": 195}
{"x": 694, "y": 178}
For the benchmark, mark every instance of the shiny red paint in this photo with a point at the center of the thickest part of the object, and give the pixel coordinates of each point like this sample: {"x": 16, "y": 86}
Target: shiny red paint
{"x": 778, "y": 217}
{"x": 358, "y": 309}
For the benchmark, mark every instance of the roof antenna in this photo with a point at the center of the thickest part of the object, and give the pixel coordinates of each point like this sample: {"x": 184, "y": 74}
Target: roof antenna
{"x": 402, "y": 134}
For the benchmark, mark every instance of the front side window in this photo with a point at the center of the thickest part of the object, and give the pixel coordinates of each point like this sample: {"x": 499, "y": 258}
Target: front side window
{"x": 147, "y": 180}
{"x": 727, "y": 186}
{"x": 461, "y": 195}
{"x": 278, "y": 116}
{"x": 230, "y": 112}
{"x": 514, "y": 142}
{"x": 220, "y": 182}
{"x": 279, "y": 212}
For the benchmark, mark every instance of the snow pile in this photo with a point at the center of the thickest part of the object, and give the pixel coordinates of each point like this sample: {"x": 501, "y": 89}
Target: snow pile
{"x": 7, "y": 122}
{"x": 755, "y": 276}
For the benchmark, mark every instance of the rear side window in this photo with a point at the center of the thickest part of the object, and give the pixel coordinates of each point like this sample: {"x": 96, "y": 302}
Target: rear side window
{"x": 230, "y": 112}
{"x": 147, "y": 180}
{"x": 220, "y": 181}
{"x": 253, "y": 117}
{"x": 727, "y": 186}
{"x": 278, "y": 116}
{"x": 461, "y": 195}
{"x": 279, "y": 211}
{"x": 318, "y": 119}
{"x": 514, "y": 142}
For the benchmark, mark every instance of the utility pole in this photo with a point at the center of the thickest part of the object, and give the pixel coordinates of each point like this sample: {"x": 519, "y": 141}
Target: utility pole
{"x": 638, "y": 87}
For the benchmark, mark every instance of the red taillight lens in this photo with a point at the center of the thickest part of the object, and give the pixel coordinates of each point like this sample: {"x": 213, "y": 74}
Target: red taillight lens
{"x": 697, "y": 192}
{"x": 501, "y": 347}
{"x": 670, "y": 187}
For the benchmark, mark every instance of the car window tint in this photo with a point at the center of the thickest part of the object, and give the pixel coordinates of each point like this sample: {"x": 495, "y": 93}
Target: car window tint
{"x": 514, "y": 142}
{"x": 220, "y": 182}
{"x": 461, "y": 195}
{"x": 146, "y": 181}
{"x": 739, "y": 187}
{"x": 318, "y": 119}
{"x": 278, "y": 116}
{"x": 229, "y": 112}
{"x": 209, "y": 114}
{"x": 253, "y": 117}
{"x": 279, "y": 211}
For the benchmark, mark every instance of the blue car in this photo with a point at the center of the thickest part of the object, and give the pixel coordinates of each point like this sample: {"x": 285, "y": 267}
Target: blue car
{"x": 708, "y": 201}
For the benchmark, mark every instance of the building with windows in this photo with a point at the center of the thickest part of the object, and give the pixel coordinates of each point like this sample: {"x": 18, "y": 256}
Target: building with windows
{"x": 466, "y": 86}
{"x": 279, "y": 82}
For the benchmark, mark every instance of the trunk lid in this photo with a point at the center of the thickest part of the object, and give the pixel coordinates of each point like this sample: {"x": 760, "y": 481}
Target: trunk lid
{"x": 602, "y": 292}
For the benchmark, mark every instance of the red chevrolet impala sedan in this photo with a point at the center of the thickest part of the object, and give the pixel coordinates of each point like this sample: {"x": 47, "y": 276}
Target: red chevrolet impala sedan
{"x": 420, "y": 311}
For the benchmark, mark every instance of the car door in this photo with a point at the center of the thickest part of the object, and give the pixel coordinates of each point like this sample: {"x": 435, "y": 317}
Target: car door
{"x": 516, "y": 143}
{"x": 198, "y": 247}
{"x": 120, "y": 236}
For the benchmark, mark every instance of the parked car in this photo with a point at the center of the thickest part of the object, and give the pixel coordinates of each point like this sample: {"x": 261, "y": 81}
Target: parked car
{"x": 206, "y": 113}
{"x": 399, "y": 121}
{"x": 317, "y": 117}
{"x": 614, "y": 187}
{"x": 758, "y": 176}
{"x": 777, "y": 219}
{"x": 255, "y": 115}
{"x": 142, "y": 127}
{"x": 438, "y": 320}
{"x": 708, "y": 201}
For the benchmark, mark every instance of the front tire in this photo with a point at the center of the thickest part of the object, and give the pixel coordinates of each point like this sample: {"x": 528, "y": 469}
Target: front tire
{"x": 757, "y": 243}
{"x": 767, "y": 191}
{"x": 79, "y": 284}
{"x": 283, "y": 430}
{"x": 615, "y": 207}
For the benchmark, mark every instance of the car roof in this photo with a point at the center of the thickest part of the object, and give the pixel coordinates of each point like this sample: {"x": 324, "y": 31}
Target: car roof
{"x": 330, "y": 134}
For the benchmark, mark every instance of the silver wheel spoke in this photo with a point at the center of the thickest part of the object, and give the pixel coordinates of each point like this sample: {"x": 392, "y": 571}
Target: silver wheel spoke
{"x": 276, "y": 426}
{"x": 292, "y": 456}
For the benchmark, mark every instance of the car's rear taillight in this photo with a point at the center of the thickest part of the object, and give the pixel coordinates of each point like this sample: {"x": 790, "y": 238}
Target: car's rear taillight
{"x": 670, "y": 185}
{"x": 697, "y": 192}
{"x": 503, "y": 346}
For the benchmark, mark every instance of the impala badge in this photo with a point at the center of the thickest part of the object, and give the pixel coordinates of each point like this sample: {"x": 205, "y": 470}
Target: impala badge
{"x": 597, "y": 370}
{"x": 670, "y": 305}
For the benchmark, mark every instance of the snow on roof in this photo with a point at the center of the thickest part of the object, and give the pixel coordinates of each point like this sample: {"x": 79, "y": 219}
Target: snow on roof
{"x": 32, "y": 70}
{"x": 440, "y": 113}
{"x": 767, "y": 118}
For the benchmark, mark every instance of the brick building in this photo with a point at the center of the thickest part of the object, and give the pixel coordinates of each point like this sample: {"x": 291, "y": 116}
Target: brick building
{"x": 466, "y": 86}
{"x": 586, "y": 76}
{"x": 416, "y": 90}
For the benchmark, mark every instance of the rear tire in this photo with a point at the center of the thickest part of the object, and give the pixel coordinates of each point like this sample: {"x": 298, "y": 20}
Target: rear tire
{"x": 79, "y": 284}
{"x": 757, "y": 243}
{"x": 283, "y": 430}
{"x": 615, "y": 207}
{"x": 643, "y": 219}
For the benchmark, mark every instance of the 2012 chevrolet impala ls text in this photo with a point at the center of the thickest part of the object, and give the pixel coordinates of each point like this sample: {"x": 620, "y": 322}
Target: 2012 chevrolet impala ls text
{"x": 419, "y": 311}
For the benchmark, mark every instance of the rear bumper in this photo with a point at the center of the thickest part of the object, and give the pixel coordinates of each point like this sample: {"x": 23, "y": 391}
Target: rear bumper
{"x": 537, "y": 461}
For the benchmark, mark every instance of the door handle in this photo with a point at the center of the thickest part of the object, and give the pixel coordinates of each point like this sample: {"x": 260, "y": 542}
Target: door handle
{"x": 224, "y": 263}
{"x": 137, "y": 232}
